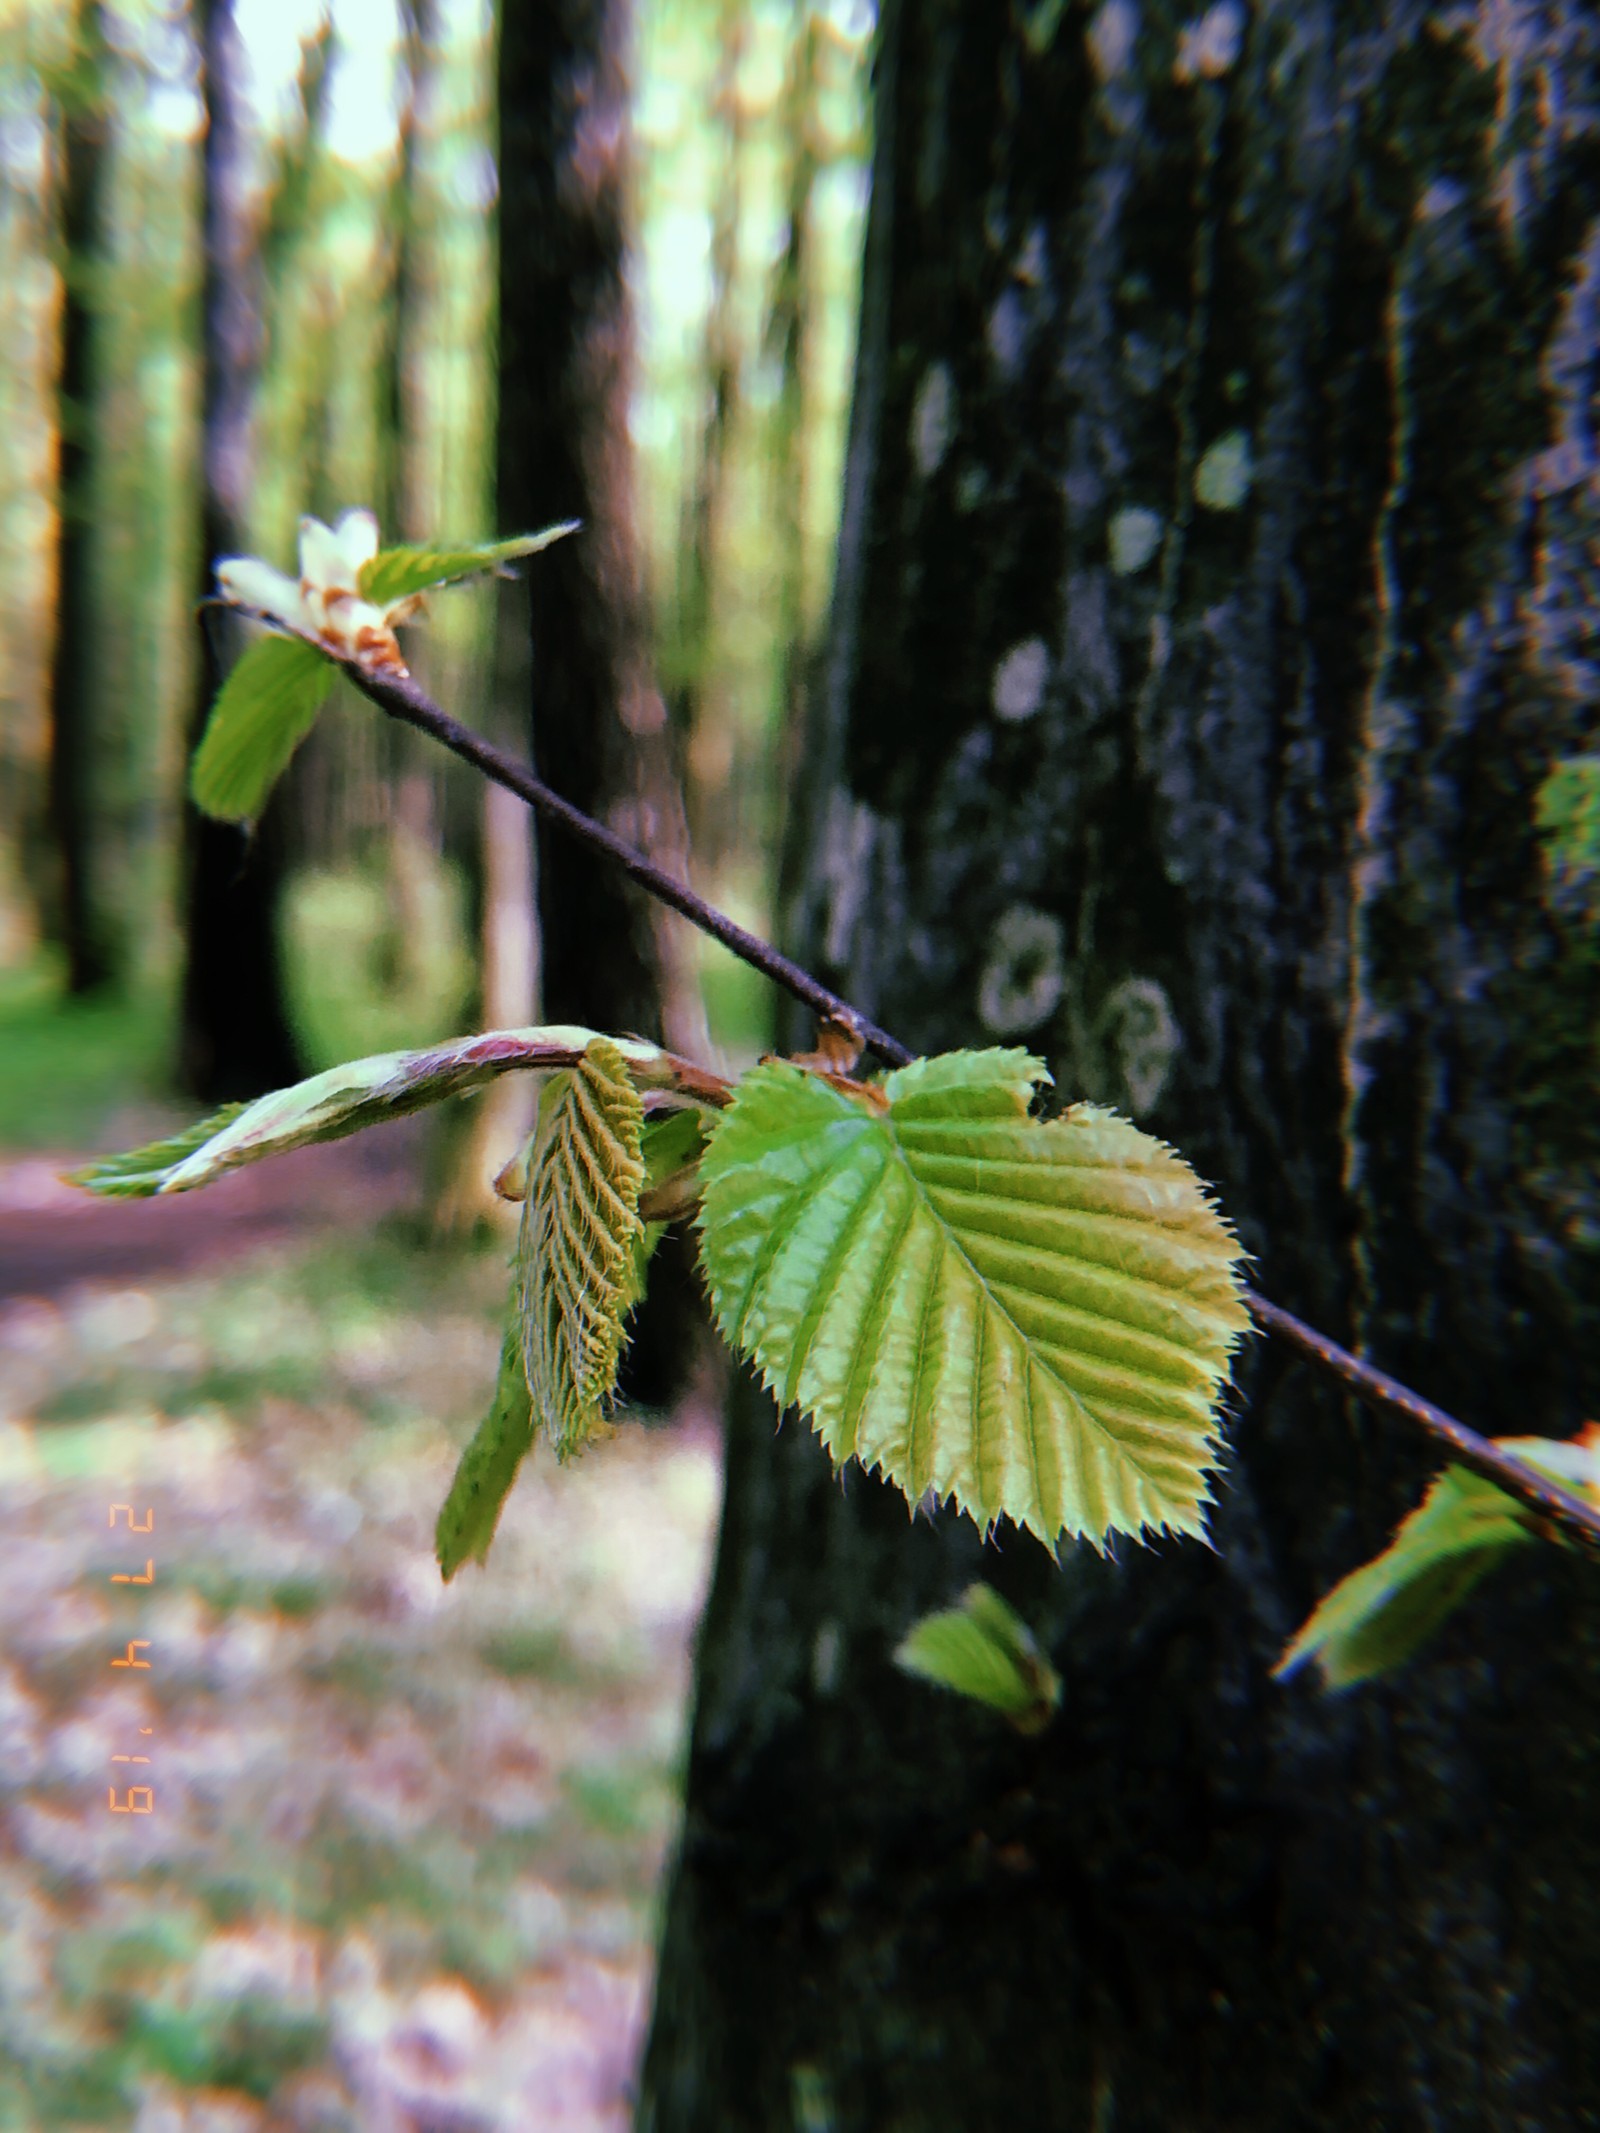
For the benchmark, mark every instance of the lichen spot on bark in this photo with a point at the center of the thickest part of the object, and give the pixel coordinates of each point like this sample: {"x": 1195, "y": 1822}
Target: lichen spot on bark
{"x": 1145, "y": 1036}
{"x": 1222, "y": 479}
{"x": 1112, "y": 36}
{"x": 827, "y": 1651}
{"x": 1019, "y": 681}
{"x": 1007, "y": 335}
{"x": 1023, "y": 978}
{"x": 933, "y": 419}
{"x": 1209, "y": 46}
{"x": 1133, "y": 537}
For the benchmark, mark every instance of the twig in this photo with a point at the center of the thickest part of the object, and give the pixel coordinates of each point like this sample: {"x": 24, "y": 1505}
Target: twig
{"x": 1560, "y": 1506}
{"x": 403, "y": 699}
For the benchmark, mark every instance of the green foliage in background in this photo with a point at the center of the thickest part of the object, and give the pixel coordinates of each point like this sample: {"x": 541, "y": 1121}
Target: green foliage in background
{"x": 377, "y": 952}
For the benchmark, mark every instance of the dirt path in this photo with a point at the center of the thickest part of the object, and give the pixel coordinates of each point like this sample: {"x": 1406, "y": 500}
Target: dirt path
{"x": 54, "y": 1235}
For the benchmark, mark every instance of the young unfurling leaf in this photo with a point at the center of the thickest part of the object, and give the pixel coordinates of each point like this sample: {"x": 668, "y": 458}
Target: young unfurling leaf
{"x": 395, "y": 574}
{"x": 983, "y": 1649}
{"x": 345, "y": 604}
{"x": 264, "y": 710}
{"x": 1032, "y": 1318}
{"x": 1377, "y": 1617}
{"x": 361, "y": 1092}
{"x": 488, "y": 1467}
{"x": 577, "y": 1271}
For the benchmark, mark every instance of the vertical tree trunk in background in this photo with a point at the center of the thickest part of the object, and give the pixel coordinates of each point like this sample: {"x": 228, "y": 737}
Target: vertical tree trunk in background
{"x": 566, "y": 362}
{"x": 236, "y": 1040}
{"x": 704, "y": 725}
{"x": 1215, "y": 586}
{"x": 608, "y": 959}
{"x": 90, "y": 954}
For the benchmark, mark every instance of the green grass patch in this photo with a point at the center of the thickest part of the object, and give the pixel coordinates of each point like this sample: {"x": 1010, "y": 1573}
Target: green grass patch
{"x": 67, "y": 1067}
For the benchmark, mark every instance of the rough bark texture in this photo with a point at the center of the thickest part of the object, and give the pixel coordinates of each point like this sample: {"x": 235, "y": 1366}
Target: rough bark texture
{"x": 235, "y": 1040}
{"x": 1219, "y": 795}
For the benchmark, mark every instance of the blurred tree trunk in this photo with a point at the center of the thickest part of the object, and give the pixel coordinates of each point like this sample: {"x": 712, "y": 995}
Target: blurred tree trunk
{"x": 608, "y": 959}
{"x": 599, "y": 727}
{"x": 1216, "y": 584}
{"x": 84, "y": 109}
{"x": 235, "y": 1040}
{"x": 702, "y": 723}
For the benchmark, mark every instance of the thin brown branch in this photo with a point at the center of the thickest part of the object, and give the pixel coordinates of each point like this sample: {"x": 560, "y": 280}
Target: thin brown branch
{"x": 1546, "y": 1497}
{"x": 402, "y": 698}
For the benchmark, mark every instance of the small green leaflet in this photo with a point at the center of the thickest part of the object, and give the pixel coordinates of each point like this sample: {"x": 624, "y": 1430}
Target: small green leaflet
{"x": 139, "y": 1173}
{"x": 984, "y": 1650}
{"x": 360, "y": 1093}
{"x": 1033, "y": 1319}
{"x": 488, "y": 1467}
{"x": 1377, "y": 1617}
{"x": 396, "y": 573}
{"x": 263, "y": 711}
{"x": 577, "y": 1271}
{"x": 1567, "y": 809}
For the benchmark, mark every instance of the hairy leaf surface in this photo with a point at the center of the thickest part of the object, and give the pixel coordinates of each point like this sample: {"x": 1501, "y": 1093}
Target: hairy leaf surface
{"x": 577, "y": 1271}
{"x": 488, "y": 1467}
{"x": 360, "y": 1093}
{"x": 983, "y": 1649}
{"x": 1377, "y": 1617}
{"x": 263, "y": 711}
{"x": 396, "y": 573}
{"x": 1033, "y": 1319}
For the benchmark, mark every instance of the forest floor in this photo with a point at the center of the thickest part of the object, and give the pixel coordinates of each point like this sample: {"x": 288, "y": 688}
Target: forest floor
{"x": 402, "y": 1860}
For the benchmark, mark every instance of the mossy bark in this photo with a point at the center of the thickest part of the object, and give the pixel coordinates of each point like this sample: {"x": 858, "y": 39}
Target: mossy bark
{"x": 1215, "y": 586}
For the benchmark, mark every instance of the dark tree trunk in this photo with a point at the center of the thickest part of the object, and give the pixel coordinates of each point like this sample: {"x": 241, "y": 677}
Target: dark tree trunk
{"x": 1209, "y": 777}
{"x": 566, "y": 362}
{"x": 599, "y": 726}
{"x": 235, "y": 1039}
{"x": 91, "y": 958}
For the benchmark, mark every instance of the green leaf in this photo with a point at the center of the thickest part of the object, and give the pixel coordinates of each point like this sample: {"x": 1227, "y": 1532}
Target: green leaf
{"x": 576, "y": 1268}
{"x": 1377, "y": 1617}
{"x": 488, "y": 1467}
{"x": 347, "y": 1098}
{"x": 984, "y": 1650}
{"x": 1567, "y": 809}
{"x": 1033, "y": 1319}
{"x": 396, "y": 573}
{"x": 264, "y": 710}
{"x": 139, "y": 1173}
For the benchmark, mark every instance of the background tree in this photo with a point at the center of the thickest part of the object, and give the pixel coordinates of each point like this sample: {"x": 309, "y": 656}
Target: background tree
{"x": 81, "y": 162}
{"x": 598, "y": 723}
{"x": 1214, "y": 590}
{"x": 235, "y": 1037}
